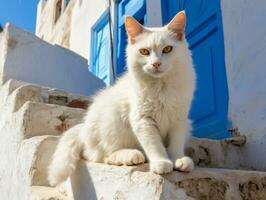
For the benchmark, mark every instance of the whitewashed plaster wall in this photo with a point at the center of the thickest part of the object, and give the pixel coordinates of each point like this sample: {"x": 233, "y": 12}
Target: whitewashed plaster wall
{"x": 45, "y": 19}
{"x": 55, "y": 32}
{"x": 27, "y": 58}
{"x": 85, "y": 14}
{"x": 154, "y": 13}
{"x": 40, "y": 8}
{"x": 245, "y": 56}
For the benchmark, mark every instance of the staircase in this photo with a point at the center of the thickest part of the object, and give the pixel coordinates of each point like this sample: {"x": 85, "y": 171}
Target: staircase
{"x": 31, "y": 122}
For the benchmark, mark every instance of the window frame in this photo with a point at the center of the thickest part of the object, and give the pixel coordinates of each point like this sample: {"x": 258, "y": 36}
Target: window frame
{"x": 98, "y": 25}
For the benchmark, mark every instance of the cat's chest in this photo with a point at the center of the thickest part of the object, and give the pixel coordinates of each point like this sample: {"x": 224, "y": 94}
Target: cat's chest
{"x": 164, "y": 109}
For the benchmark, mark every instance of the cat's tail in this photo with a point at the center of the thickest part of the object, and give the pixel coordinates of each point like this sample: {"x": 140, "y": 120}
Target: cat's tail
{"x": 66, "y": 156}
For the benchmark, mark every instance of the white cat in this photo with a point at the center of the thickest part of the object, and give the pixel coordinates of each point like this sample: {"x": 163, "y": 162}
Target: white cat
{"x": 144, "y": 116}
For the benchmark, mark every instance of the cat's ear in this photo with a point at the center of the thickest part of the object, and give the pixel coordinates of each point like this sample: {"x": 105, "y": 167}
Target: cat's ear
{"x": 133, "y": 28}
{"x": 178, "y": 24}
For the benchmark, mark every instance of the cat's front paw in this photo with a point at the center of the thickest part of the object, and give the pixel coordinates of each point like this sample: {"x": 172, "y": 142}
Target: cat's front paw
{"x": 161, "y": 166}
{"x": 126, "y": 157}
{"x": 184, "y": 164}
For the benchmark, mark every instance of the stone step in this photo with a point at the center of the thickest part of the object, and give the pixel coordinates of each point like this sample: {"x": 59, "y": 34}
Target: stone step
{"x": 21, "y": 92}
{"x": 38, "y": 119}
{"x": 46, "y": 193}
{"x": 90, "y": 180}
{"x": 43, "y": 155}
{"x": 7, "y": 88}
{"x": 33, "y": 159}
{"x": 93, "y": 181}
{"x": 215, "y": 153}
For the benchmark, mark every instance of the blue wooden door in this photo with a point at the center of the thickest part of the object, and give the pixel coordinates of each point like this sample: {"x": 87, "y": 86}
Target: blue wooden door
{"x": 205, "y": 36}
{"x": 101, "y": 59}
{"x": 137, "y": 9}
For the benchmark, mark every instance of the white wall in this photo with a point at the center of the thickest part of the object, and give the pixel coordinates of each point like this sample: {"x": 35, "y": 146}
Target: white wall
{"x": 245, "y": 55}
{"x": 45, "y": 19}
{"x": 154, "y": 13}
{"x": 29, "y": 59}
{"x": 39, "y": 9}
{"x": 84, "y": 16}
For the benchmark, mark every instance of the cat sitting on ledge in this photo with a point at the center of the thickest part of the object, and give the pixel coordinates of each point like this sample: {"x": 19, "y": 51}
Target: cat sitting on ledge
{"x": 144, "y": 116}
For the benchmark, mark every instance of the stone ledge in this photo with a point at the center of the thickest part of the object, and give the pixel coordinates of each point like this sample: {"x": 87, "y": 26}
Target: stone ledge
{"x": 33, "y": 158}
{"x": 19, "y": 92}
{"x": 45, "y": 193}
{"x": 214, "y": 153}
{"x": 45, "y": 119}
{"x": 8, "y": 88}
{"x": 98, "y": 181}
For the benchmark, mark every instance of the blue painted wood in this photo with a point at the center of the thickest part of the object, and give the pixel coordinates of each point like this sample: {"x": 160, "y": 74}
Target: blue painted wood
{"x": 100, "y": 49}
{"x": 135, "y": 8}
{"x": 205, "y": 36}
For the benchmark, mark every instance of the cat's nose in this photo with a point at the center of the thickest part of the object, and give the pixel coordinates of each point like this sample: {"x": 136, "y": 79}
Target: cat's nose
{"x": 156, "y": 65}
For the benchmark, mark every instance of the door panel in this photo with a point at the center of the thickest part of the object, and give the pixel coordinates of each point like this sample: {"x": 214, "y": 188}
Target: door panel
{"x": 102, "y": 61}
{"x": 205, "y": 36}
{"x": 101, "y": 49}
{"x": 137, "y": 9}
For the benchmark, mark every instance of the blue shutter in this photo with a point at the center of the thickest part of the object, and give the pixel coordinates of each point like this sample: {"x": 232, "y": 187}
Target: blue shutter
{"x": 137, "y": 9}
{"x": 100, "y": 49}
{"x": 205, "y": 36}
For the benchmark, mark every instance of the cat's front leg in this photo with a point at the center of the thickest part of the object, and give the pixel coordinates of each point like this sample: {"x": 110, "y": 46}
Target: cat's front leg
{"x": 177, "y": 139}
{"x": 148, "y": 136}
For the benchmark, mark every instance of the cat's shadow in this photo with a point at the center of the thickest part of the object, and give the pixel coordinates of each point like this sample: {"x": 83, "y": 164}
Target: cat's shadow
{"x": 82, "y": 182}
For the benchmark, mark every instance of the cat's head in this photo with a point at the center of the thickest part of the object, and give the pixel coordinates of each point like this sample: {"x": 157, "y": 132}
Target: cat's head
{"x": 156, "y": 52}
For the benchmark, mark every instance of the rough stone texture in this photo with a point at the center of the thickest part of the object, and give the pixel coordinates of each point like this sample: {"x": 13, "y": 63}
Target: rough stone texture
{"x": 204, "y": 188}
{"x": 33, "y": 158}
{"x": 98, "y": 181}
{"x": 27, "y": 125}
{"x": 71, "y": 25}
{"x": 42, "y": 119}
{"x": 7, "y": 89}
{"x": 47, "y": 29}
{"x": 214, "y": 153}
{"x": 46, "y": 193}
{"x": 253, "y": 189}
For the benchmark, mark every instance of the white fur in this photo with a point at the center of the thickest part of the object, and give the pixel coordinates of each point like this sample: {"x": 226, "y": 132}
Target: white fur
{"x": 144, "y": 111}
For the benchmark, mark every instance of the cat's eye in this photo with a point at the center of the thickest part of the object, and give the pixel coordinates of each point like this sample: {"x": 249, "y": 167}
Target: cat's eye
{"x": 144, "y": 52}
{"x": 167, "y": 49}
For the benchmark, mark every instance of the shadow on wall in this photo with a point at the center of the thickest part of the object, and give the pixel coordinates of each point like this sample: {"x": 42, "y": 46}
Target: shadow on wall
{"x": 82, "y": 184}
